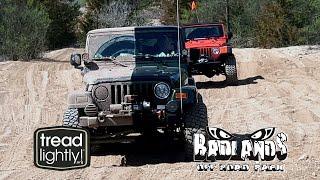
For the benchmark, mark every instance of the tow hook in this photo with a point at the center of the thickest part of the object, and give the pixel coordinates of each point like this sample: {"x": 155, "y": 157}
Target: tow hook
{"x": 101, "y": 117}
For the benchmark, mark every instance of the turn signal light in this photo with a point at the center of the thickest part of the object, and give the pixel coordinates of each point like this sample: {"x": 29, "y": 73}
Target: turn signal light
{"x": 181, "y": 95}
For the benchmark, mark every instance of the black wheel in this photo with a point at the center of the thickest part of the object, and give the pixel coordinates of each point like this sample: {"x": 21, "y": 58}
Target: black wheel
{"x": 231, "y": 70}
{"x": 71, "y": 118}
{"x": 196, "y": 121}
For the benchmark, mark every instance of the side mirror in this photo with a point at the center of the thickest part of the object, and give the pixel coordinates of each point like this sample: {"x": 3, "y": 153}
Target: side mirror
{"x": 75, "y": 60}
{"x": 230, "y": 35}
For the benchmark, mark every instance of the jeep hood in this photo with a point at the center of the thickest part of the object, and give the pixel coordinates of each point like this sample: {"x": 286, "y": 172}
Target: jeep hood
{"x": 107, "y": 74}
{"x": 204, "y": 43}
{"x": 134, "y": 73}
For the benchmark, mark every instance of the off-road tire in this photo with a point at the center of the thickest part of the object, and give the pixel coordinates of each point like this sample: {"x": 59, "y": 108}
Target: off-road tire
{"x": 231, "y": 70}
{"x": 71, "y": 118}
{"x": 196, "y": 121}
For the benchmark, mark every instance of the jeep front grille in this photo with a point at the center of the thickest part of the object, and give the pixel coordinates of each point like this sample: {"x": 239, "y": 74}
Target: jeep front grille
{"x": 206, "y": 52}
{"x": 105, "y": 94}
{"x": 118, "y": 92}
{"x": 144, "y": 91}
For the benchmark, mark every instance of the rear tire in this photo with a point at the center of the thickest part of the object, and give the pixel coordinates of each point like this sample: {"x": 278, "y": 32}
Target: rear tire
{"x": 231, "y": 70}
{"x": 196, "y": 121}
{"x": 71, "y": 118}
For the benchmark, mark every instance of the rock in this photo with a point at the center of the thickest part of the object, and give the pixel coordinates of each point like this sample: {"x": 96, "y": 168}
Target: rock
{"x": 304, "y": 157}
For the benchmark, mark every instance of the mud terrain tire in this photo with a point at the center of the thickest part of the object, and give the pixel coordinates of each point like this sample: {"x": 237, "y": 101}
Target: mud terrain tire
{"x": 71, "y": 118}
{"x": 231, "y": 71}
{"x": 196, "y": 121}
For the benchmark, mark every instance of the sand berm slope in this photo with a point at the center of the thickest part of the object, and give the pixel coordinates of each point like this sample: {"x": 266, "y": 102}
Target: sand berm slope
{"x": 278, "y": 88}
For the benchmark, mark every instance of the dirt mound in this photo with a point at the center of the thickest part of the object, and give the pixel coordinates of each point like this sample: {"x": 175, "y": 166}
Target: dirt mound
{"x": 61, "y": 54}
{"x": 278, "y": 88}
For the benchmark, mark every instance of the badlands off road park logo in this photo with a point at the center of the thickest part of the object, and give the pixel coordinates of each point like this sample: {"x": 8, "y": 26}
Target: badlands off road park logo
{"x": 219, "y": 145}
{"x": 61, "y": 148}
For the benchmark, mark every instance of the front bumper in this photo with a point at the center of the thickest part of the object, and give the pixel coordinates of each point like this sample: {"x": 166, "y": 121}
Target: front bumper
{"x": 129, "y": 110}
{"x": 111, "y": 120}
{"x": 163, "y": 116}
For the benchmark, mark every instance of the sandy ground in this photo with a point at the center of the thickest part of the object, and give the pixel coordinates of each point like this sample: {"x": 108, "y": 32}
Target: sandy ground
{"x": 278, "y": 87}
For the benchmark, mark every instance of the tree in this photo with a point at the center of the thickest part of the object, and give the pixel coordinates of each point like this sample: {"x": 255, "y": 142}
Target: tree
{"x": 313, "y": 28}
{"x": 263, "y": 23}
{"x": 63, "y": 15}
{"x": 115, "y": 14}
{"x": 170, "y": 10}
{"x": 23, "y": 28}
{"x": 285, "y": 23}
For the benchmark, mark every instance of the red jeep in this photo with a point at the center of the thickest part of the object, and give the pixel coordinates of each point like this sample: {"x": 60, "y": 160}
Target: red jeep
{"x": 210, "y": 53}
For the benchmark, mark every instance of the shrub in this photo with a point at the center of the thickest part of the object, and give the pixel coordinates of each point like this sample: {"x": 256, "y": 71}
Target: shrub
{"x": 23, "y": 29}
{"x": 115, "y": 14}
{"x": 63, "y": 16}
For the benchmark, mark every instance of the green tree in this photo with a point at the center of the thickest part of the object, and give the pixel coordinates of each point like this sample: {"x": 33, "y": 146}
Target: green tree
{"x": 62, "y": 28}
{"x": 170, "y": 10}
{"x": 285, "y": 23}
{"x": 272, "y": 27}
{"x": 313, "y": 28}
{"x": 23, "y": 28}
{"x": 263, "y": 23}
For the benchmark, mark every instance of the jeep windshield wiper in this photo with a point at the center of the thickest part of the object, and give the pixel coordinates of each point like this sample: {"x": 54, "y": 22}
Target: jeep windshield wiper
{"x": 110, "y": 59}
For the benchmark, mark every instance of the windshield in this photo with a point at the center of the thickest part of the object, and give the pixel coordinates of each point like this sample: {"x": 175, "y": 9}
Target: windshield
{"x": 120, "y": 46}
{"x": 157, "y": 43}
{"x": 203, "y": 32}
{"x": 144, "y": 44}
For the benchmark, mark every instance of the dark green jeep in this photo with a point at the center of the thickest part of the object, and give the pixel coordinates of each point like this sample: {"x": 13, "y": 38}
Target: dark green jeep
{"x": 133, "y": 85}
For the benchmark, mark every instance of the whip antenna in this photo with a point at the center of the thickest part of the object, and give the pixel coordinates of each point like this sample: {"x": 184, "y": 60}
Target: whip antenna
{"x": 179, "y": 53}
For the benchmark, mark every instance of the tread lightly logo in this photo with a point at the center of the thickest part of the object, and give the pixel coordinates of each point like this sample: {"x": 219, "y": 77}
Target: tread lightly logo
{"x": 61, "y": 148}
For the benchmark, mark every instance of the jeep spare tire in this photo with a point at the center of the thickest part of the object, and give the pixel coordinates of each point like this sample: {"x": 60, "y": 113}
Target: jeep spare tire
{"x": 196, "y": 121}
{"x": 231, "y": 70}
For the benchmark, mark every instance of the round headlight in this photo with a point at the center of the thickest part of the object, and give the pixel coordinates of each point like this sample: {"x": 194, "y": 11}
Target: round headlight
{"x": 101, "y": 93}
{"x": 215, "y": 50}
{"x": 162, "y": 90}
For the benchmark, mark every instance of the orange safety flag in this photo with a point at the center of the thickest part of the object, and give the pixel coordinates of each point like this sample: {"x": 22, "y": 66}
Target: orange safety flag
{"x": 193, "y": 6}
